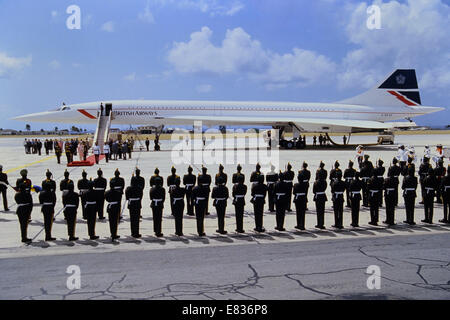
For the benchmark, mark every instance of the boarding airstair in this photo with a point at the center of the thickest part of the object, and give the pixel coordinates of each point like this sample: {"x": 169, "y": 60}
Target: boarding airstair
{"x": 102, "y": 131}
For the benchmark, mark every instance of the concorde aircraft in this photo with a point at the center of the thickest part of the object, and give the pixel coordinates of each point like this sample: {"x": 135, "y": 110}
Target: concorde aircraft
{"x": 395, "y": 98}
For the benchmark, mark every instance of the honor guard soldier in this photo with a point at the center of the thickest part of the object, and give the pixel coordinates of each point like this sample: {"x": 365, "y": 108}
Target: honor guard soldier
{"x": 71, "y": 201}
{"x": 83, "y": 187}
{"x": 337, "y": 191}
{"x": 133, "y": 194}
{"x": 171, "y": 184}
{"x": 321, "y": 171}
{"x": 4, "y": 187}
{"x": 390, "y": 186}
{"x": 288, "y": 177}
{"x": 300, "y": 192}
{"x": 221, "y": 174}
{"x": 375, "y": 188}
{"x": 157, "y": 196}
{"x": 365, "y": 174}
{"x": 68, "y": 151}
{"x": 306, "y": 176}
{"x": 425, "y": 166}
{"x": 234, "y": 179}
{"x": 100, "y": 184}
{"x": 58, "y": 152}
{"x": 155, "y": 177}
{"x": 204, "y": 179}
{"x": 91, "y": 210}
{"x": 238, "y": 193}
{"x": 395, "y": 171}
{"x": 445, "y": 190}
{"x": 281, "y": 191}
{"x": 439, "y": 173}
{"x": 178, "y": 206}
{"x": 200, "y": 195}
{"x": 368, "y": 163}
{"x": 271, "y": 178}
{"x": 118, "y": 183}
{"x": 220, "y": 195}
{"x": 49, "y": 181}
{"x": 24, "y": 180}
{"x": 380, "y": 173}
{"x": 431, "y": 184}
{"x": 319, "y": 187}
{"x": 409, "y": 187}
{"x": 140, "y": 181}
{"x": 47, "y": 198}
{"x": 349, "y": 176}
{"x": 189, "y": 180}
{"x": 113, "y": 197}
{"x": 255, "y": 174}
{"x": 24, "y": 207}
{"x": 258, "y": 192}
{"x": 334, "y": 171}
{"x": 354, "y": 189}
{"x": 64, "y": 184}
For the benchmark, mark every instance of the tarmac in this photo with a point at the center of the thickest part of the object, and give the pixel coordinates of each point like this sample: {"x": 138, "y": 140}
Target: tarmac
{"x": 170, "y": 252}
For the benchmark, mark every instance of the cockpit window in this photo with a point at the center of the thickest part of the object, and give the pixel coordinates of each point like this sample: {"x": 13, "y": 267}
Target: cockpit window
{"x": 63, "y": 108}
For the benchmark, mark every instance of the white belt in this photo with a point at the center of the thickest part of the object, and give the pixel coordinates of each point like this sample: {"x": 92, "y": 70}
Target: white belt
{"x": 349, "y": 178}
{"x": 199, "y": 198}
{"x": 395, "y": 176}
{"x": 48, "y": 204}
{"x": 118, "y": 187}
{"x": 410, "y": 189}
{"x": 176, "y": 199}
{"x": 390, "y": 189}
{"x": 429, "y": 189}
{"x": 279, "y": 195}
{"x": 239, "y": 196}
{"x": 172, "y": 186}
{"x": 289, "y": 181}
{"x": 305, "y": 180}
{"x": 270, "y": 182}
{"x": 355, "y": 192}
{"x": 99, "y": 189}
{"x": 23, "y": 204}
{"x": 320, "y": 193}
{"x": 446, "y": 187}
{"x": 84, "y": 190}
{"x": 380, "y": 176}
{"x": 373, "y": 191}
{"x": 65, "y": 190}
{"x": 260, "y": 195}
{"x": 299, "y": 194}
{"x": 189, "y": 184}
{"x": 134, "y": 199}
{"x": 205, "y": 184}
{"x": 339, "y": 193}
{"x": 219, "y": 199}
{"x": 157, "y": 200}
{"x": 365, "y": 178}
{"x": 90, "y": 202}
{"x": 114, "y": 202}
{"x": 70, "y": 206}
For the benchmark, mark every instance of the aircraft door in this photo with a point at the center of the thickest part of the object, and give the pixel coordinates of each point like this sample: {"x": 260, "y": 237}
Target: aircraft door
{"x": 108, "y": 108}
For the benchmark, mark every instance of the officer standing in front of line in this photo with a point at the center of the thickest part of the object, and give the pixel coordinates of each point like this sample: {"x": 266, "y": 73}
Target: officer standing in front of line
{"x": 100, "y": 184}
{"x": 71, "y": 201}
{"x": 258, "y": 192}
{"x": 133, "y": 194}
{"x": 409, "y": 187}
{"x": 47, "y": 198}
{"x": 319, "y": 188}
{"x": 200, "y": 195}
{"x": 431, "y": 184}
{"x": 271, "y": 178}
{"x": 238, "y": 193}
{"x": 178, "y": 194}
{"x": 337, "y": 191}
{"x": 189, "y": 180}
{"x": 157, "y": 196}
{"x": 445, "y": 190}
{"x": 220, "y": 194}
{"x": 23, "y": 210}
{"x": 113, "y": 197}
{"x": 288, "y": 177}
{"x": 204, "y": 179}
{"x": 83, "y": 187}
{"x": 300, "y": 193}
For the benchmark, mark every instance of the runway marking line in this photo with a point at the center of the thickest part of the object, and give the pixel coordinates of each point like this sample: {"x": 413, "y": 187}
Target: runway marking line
{"x": 29, "y": 164}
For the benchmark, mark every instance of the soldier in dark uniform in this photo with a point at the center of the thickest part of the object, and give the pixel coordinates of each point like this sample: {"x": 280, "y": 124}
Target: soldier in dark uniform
{"x": 255, "y": 174}
{"x": 375, "y": 186}
{"x": 337, "y": 191}
{"x": 221, "y": 174}
{"x": 319, "y": 187}
{"x": 49, "y": 181}
{"x": 271, "y": 178}
{"x": 234, "y": 179}
{"x": 431, "y": 184}
{"x": 47, "y": 198}
{"x": 334, "y": 172}
{"x": 58, "y": 152}
{"x": 306, "y": 176}
{"x": 380, "y": 173}
{"x": 445, "y": 190}
{"x": 409, "y": 187}
{"x": 178, "y": 206}
{"x": 410, "y": 164}
{"x": 91, "y": 210}
{"x": 365, "y": 174}
{"x": 281, "y": 190}
{"x": 354, "y": 189}
{"x": 220, "y": 194}
{"x": 189, "y": 180}
{"x": 321, "y": 171}
{"x": 258, "y": 192}
{"x": 113, "y": 197}
{"x": 24, "y": 207}
{"x": 147, "y": 143}
{"x": 71, "y": 201}
{"x": 140, "y": 181}
{"x": 200, "y": 195}
{"x": 3, "y": 188}
{"x": 425, "y": 166}
{"x": 68, "y": 151}
{"x": 439, "y": 173}
{"x": 24, "y": 180}
{"x": 155, "y": 177}
{"x": 157, "y": 195}
{"x": 368, "y": 163}
{"x": 238, "y": 193}
{"x": 395, "y": 171}
{"x": 171, "y": 184}
{"x": 300, "y": 193}
{"x": 133, "y": 194}
{"x": 349, "y": 176}
{"x": 118, "y": 183}
{"x": 204, "y": 179}
{"x": 64, "y": 184}
{"x": 83, "y": 187}
{"x": 390, "y": 192}
{"x": 288, "y": 177}
{"x": 100, "y": 184}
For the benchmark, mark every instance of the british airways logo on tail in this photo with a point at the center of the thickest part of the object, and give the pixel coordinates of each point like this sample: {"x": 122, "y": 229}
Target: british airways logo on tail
{"x": 400, "y": 79}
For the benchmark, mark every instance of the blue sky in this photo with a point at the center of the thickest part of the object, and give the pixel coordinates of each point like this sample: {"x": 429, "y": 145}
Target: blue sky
{"x": 288, "y": 50}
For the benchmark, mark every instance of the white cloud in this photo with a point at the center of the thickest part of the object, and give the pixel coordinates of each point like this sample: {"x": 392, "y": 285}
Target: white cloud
{"x": 10, "y": 65}
{"x": 414, "y": 34}
{"x": 212, "y": 7}
{"x": 204, "y": 88}
{"x": 240, "y": 54}
{"x": 146, "y": 16}
{"x": 108, "y": 26}
{"x": 54, "y": 13}
{"x": 55, "y": 64}
{"x": 130, "y": 77}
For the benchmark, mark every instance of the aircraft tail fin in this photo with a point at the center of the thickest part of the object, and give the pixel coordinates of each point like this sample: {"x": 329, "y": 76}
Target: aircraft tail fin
{"x": 399, "y": 89}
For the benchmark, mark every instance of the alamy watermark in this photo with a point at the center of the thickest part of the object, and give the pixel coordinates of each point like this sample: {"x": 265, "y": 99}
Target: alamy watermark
{"x": 374, "y": 17}
{"x": 74, "y": 280}
{"x": 374, "y": 280}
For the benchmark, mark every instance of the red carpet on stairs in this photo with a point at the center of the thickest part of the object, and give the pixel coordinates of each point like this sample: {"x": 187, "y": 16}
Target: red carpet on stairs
{"x": 90, "y": 161}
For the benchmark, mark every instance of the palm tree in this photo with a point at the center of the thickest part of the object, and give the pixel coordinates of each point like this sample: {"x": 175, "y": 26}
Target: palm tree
{"x": 27, "y": 127}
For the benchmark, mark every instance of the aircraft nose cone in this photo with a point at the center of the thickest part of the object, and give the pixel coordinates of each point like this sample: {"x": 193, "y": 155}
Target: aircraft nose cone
{"x": 42, "y": 116}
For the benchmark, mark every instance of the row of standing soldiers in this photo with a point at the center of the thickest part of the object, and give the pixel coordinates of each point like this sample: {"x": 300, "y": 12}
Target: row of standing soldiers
{"x": 279, "y": 187}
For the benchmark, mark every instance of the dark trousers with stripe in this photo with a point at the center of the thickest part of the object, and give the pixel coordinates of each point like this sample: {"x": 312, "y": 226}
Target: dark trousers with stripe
{"x": 239, "y": 210}
{"x": 71, "y": 215}
{"x": 300, "y": 208}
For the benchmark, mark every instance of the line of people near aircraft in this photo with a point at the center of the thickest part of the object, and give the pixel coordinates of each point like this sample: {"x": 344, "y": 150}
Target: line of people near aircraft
{"x": 279, "y": 189}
